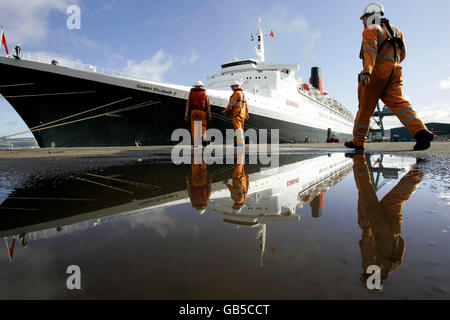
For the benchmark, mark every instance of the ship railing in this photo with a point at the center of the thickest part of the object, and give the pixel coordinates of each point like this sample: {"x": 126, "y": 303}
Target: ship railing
{"x": 77, "y": 65}
{"x": 326, "y": 103}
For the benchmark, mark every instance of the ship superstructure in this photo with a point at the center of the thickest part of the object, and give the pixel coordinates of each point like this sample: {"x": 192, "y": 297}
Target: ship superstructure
{"x": 276, "y": 90}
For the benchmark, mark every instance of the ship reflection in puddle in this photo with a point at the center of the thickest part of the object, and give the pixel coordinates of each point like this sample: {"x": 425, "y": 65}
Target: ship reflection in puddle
{"x": 241, "y": 195}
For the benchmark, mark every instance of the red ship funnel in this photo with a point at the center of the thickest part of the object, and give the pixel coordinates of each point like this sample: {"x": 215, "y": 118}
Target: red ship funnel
{"x": 316, "y": 79}
{"x": 317, "y": 205}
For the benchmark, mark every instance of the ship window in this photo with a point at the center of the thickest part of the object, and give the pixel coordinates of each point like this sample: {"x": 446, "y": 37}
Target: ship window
{"x": 238, "y": 63}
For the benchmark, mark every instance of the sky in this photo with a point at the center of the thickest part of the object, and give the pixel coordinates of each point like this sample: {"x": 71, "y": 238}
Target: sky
{"x": 184, "y": 41}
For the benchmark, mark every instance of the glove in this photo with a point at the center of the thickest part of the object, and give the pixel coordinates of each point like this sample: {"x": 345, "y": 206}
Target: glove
{"x": 209, "y": 118}
{"x": 364, "y": 78}
{"x": 186, "y": 117}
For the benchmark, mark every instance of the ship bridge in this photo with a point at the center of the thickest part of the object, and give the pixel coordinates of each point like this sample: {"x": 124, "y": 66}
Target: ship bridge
{"x": 255, "y": 76}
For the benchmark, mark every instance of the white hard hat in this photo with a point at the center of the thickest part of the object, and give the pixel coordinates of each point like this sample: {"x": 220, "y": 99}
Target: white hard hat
{"x": 235, "y": 83}
{"x": 198, "y": 84}
{"x": 201, "y": 211}
{"x": 374, "y": 7}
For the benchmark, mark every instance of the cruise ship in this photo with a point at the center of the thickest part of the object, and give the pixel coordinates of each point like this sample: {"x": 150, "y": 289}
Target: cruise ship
{"x": 70, "y": 104}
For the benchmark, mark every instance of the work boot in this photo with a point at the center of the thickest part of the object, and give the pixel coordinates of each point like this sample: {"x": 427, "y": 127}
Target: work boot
{"x": 351, "y": 145}
{"x": 423, "y": 138}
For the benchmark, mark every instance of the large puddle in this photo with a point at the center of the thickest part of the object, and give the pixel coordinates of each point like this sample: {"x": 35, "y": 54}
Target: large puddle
{"x": 314, "y": 228}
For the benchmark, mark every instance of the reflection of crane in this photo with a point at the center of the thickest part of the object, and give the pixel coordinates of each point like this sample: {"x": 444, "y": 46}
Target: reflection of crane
{"x": 386, "y": 112}
{"x": 388, "y": 173}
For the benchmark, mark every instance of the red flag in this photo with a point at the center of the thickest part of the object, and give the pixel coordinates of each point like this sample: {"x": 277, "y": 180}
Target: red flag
{"x": 271, "y": 33}
{"x": 3, "y": 41}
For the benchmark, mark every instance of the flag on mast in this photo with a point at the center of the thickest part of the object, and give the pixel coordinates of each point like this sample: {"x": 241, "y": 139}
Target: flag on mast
{"x": 3, "y": 41}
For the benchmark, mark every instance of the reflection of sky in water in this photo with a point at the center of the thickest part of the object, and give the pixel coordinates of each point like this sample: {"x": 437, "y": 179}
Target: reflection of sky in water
{"x": 161, "y": 223}
{"x": 4, "y": 188}
{"x": 176, "y": 253}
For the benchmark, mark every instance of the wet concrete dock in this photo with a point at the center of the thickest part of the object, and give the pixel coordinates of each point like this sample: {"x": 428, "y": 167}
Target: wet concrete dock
{"x": 437, "y": 148}
{"x": 304, "y": 230}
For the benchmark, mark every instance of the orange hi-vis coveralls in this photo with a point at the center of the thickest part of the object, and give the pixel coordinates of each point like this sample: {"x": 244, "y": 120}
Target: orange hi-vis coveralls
{"x": 238, "y": 103}
{"x": 198, "y": 105}
{"x": 199, "y": 186}
{"x": 380, "y": 221}
{"x": 382, "y": 62}
{"x": 239, "y": 189}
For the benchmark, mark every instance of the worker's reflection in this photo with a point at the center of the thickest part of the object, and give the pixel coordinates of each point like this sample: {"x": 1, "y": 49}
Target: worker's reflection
{"x": 380, "y": 221}
{"x": 199, "y": 186}
{"x": 239, "y": 188}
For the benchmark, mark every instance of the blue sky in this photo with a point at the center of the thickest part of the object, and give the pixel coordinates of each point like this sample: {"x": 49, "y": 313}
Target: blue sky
{"x": 185, "y": 41}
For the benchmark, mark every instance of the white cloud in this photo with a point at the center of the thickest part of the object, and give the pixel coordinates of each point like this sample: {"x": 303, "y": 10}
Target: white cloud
{"x": 170, "y": 22}
{"x": 109, "y": 6}
{"x": 294, "y": 26}
{"x": 191, "y": 59}
{"x": 434, "y": 113}
{"x": 153, "y": 68}
{"x": 158, "y": 65}
{"x": 445, "y": 84}
{"x": 25, "y": 21}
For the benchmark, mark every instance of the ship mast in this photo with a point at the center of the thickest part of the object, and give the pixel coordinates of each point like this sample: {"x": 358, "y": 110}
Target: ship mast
{"x": 261, "y": 236}
{"x": 259, "y": 50}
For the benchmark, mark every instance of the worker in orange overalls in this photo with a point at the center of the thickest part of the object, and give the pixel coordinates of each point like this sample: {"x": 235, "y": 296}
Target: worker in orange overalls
{"x": 380, "y": 221}
{"x": 238, "y": 103}
{"x": 239, "y": 189}
{"x": 199, "y": 108}
{"x": 382, "y": 51}
{"x": 199, "y": 187}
